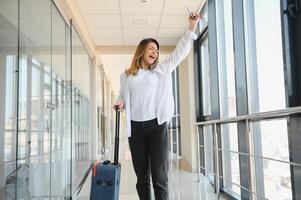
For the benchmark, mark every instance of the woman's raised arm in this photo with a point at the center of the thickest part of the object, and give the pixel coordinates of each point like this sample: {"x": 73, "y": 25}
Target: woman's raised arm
{"x": 182, "y": 49}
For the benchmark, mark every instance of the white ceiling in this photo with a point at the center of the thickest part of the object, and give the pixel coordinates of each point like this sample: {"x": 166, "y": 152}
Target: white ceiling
{"x": 126, "y": 22}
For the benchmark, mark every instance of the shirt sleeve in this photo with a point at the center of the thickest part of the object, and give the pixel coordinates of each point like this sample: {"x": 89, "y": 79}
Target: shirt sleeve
{"x": 180, "y": 52}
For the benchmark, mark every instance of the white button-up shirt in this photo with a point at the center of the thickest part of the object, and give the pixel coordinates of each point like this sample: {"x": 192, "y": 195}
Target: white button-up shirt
{"x": 164, "y": 98}
{"x": 143, "y": 89}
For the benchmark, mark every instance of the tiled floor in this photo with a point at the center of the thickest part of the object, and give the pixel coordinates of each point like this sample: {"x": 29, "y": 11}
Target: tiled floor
{"x": 183, "y": 185}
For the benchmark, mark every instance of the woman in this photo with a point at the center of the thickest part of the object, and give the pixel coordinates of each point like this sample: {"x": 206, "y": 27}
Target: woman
{"x": 146, "y": 95}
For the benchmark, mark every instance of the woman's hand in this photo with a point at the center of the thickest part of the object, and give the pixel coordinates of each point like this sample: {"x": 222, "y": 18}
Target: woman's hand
{"x": 193, "y": 21}
{"x": 119, "y": 105}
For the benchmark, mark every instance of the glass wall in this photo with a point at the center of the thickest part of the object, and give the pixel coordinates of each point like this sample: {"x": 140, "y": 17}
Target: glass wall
{"x": 272, "y": 184}
{"x": 174, "y": 126}
{"x": 108, "y": 135}
{"x": 81, "y": 134}
{"x": 256, "y": 155}
{"x": 8, "y": 65}
{"x": 227, "y": 96}
{"x": 45, "y": 124}
{"x": 230, "y": 161}
{"x": 34, "y": 101}
{"x": 61, "y": 111}
{"x": 98, "y": 105}
{"x": 100, "y": 102}
{"x": 208, "y": 152}
{"x": 263, "y": 55}
{"x": 206, "y": 97}
{"x": 226, "y": 73}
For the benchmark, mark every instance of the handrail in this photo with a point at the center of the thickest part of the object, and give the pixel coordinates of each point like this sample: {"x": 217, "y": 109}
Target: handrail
{"x": 247, "y": 118}
{"x": 254, "y": 117}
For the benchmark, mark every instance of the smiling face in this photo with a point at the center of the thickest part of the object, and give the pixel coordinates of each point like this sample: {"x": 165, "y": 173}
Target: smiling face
{"x": 150, "y": 54}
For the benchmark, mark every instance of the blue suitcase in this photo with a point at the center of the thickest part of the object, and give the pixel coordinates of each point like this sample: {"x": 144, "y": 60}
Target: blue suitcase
{"x": 106, "y": 175}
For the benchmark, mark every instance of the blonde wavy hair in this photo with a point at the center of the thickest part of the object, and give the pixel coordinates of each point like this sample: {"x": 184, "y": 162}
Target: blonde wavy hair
{"x": 136, "y": 61}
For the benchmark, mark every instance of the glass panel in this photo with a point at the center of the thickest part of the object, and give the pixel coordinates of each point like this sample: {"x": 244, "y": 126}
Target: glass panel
{"x": 277, "y": 185}
{"x": 44, "y": 105}
{"x": 34, "y": 143}
{"x": 204, "y": 21}
{"x": 61, "y": 107}
{"x": 174, "y": 123}
{"x": 60, "y": 129}
{"x": 102, "y": 116}
{"x": 226, "y": 70}
{"x": 205, "y": 78}
{"x": 274, "y": 139}
{"x": 46, "y": 116}
{"x": 8, "y": 53}
{"x": 8, "y": 63}
{"x": 35, "y": 98}
{"x": 264, "y": 56}
{"x": 99, "y": 98}
{"x": 80, "y": 109}
{"x": 231, "y": 172}
{"x": 34, "y": 107}
{"x": 208, "y": 143}
{"x": 270, "y": 140}
{"x": 22, "y": 94}
{"x": 201, "y": 149}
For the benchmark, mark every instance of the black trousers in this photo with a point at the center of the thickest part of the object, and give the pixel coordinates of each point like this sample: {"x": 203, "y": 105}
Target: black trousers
{"x": 149, "y": 149}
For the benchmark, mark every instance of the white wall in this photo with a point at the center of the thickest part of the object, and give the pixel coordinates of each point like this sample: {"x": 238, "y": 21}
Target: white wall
{"x": 187, "y": 111}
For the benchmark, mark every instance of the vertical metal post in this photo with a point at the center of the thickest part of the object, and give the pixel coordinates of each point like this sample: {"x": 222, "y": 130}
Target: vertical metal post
{"x": 198, "y": 154}
{"x": 252, "y": 171}
{"x": 217, "y": 189}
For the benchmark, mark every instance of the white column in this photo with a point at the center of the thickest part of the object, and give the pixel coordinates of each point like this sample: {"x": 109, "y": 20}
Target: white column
{"x": 2, "y": 118}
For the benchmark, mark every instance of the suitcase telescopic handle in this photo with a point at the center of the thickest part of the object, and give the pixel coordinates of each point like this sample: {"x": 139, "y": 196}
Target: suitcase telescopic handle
{"x": 116, "y": 149}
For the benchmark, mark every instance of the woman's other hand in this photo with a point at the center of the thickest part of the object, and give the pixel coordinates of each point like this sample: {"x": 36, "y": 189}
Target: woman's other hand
{"x": 193, "y": 21}
{"x": 119, "y": 105}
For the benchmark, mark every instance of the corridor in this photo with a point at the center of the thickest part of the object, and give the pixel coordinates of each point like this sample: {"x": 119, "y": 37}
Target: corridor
{"x": 183, "y": 184}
